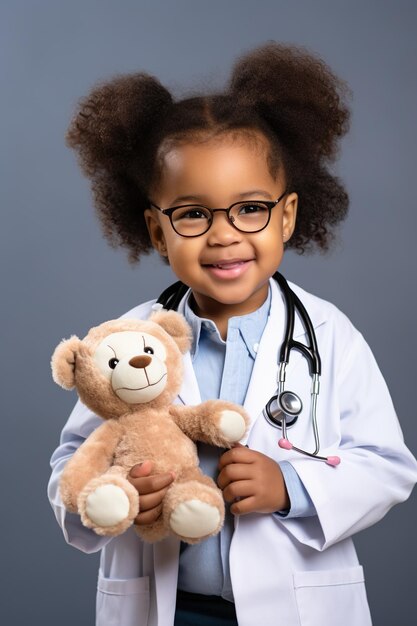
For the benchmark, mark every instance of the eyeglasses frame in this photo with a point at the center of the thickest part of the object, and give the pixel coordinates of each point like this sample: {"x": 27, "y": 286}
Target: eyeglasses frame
{"x": 270, "y": 204}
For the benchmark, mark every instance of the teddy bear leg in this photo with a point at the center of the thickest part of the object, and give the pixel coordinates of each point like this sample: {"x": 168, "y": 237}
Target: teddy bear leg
{"x": 153, "y": 532}
{"x": 108, "y": 504}
{"x": 194, "y": 508}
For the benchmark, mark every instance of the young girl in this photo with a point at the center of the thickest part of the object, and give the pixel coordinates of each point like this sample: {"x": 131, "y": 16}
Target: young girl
{"x": 220, "y": 185}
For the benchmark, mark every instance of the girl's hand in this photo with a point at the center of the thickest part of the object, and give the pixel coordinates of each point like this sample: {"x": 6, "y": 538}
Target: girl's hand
{"x": 252, "y": 481}
{"x": 151, "y": 489}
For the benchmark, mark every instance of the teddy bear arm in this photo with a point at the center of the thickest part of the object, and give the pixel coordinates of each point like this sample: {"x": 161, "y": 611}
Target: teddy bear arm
{"x": 189, "y": 419}
{"x": 91, "y": 459}
{"x": 215, "y": 422}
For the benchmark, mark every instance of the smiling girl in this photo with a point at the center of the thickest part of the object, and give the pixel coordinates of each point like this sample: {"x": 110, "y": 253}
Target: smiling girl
{"x": 220, "y": 185}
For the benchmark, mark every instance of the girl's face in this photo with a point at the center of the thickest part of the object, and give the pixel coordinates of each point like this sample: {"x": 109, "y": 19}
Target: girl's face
{"x": 227, "y": 270}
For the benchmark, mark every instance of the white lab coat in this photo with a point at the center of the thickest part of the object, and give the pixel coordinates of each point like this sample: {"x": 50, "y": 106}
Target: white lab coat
{"x": 297, "y": 572}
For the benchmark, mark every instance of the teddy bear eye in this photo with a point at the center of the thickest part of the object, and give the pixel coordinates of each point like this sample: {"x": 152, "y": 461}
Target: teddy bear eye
{"x": 148, "y": 350}
{"x": 113, "y": 363}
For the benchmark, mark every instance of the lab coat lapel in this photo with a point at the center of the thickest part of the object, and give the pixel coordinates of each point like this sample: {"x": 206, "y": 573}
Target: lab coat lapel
{"x": 166, "y": 554}
{"x": 190, "y": 392}
{"x": 263, "y": 383}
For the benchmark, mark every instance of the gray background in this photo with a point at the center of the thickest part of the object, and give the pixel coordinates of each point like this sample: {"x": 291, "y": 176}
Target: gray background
{"x": 59, "y": 277}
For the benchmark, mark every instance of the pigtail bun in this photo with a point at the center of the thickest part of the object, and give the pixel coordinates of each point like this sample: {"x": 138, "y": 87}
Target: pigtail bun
{"x": 112, "y": 134}
{"x": 304, "y": 105}
{"x": 297, "y": 94}
{"x": 115, "y": 119}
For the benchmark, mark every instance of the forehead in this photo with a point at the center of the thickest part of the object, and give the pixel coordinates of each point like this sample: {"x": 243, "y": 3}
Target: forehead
{"x": 229, "y": 161}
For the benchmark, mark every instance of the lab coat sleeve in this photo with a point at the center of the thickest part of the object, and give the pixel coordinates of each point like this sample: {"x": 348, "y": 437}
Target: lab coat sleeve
{"x": 79, "y": 425}
{"x": 300, "y": 502}
{"x": 376, "y": 471}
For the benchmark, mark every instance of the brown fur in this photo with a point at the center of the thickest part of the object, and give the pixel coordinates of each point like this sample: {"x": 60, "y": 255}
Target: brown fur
{"x": 132, "y": 433}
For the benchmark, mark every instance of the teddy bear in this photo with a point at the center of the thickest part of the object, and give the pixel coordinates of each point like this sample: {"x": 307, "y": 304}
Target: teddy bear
{"x": 129, "y": 372}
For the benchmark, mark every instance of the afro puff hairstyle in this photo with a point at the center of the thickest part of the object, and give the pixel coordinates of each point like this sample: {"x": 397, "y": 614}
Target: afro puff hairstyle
{"x": 283, "y": 91}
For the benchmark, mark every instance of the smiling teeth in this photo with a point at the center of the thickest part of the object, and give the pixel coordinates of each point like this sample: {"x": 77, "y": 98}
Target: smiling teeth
{"x": 228, "y": 265}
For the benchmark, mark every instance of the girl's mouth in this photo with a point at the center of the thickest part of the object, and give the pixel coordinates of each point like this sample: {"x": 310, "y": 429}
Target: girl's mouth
{"x": 228, "y": 269}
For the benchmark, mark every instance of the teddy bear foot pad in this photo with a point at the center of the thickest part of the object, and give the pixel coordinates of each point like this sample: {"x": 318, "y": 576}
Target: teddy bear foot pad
{"x": 195, "y": 519}
{"x": 107, "y": 505}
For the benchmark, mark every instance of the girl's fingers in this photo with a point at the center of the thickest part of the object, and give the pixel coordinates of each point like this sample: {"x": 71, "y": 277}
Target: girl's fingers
{"x": 244, "y": 506}
{"x": 252, "y": 481}
{"x": 238, "y": 454}
{"x": 238, "y": 489}
{"x": 151, "y": 489}
{"x": 148, "y": 517}
{"x": 234, "y": 472}
{"x": 141, "y": 469}
{"x": 151, "y": 484}
{"x": 151, "y": 500}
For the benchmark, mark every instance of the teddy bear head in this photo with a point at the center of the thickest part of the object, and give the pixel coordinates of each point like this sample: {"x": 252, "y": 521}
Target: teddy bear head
{"x": 126, "y": 364}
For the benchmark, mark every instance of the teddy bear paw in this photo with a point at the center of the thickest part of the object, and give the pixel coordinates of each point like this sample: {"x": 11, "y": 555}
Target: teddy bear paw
{"x": 106, "y": 506}
{"x": 232, "y": 426}
{"x": 195, "y": 519}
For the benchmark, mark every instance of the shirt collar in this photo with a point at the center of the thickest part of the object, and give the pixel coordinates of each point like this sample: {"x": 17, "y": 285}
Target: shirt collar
{"x": 250, "y": 326}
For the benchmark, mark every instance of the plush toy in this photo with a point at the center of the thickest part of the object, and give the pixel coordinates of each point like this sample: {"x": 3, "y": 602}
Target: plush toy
{"x": 129, "y": 372}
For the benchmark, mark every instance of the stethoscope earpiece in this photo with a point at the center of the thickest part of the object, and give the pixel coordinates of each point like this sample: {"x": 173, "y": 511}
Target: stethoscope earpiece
{"x": 285, "y": 444}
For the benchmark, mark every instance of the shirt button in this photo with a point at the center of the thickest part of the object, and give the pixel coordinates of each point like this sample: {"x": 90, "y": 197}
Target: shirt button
{"x": 255, "y": 347}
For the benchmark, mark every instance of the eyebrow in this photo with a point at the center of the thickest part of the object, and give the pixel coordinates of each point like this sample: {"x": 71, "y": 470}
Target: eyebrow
{"x": 253, "y": 194}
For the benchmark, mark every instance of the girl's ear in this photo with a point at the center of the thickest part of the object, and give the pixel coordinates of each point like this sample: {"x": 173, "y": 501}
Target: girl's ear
{"x": 63, "y": 362}
{"x": 155, "y": 231}
{"x": 289, "y": 215}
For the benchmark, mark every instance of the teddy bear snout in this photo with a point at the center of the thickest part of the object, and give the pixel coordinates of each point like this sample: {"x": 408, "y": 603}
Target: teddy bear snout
{"x": 140, "y": 362}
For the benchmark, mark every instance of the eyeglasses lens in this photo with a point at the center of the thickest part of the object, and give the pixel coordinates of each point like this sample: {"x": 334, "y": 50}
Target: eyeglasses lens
{"x": 191, "y": 221}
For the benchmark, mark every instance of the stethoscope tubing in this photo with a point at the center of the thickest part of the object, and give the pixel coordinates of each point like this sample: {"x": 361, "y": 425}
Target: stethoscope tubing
{"x": 293, "y": 303}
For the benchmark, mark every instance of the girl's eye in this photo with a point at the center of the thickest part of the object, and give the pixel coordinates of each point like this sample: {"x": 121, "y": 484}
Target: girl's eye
{"x": 148, "y": 350}
{"x": 191, "y": 213}
{"x": 248, "y": 209}
{"x": 113, "y": 362}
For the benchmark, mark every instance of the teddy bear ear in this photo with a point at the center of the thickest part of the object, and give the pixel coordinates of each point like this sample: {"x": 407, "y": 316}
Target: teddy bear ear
{"x": 176, "y": 326}
{"x": 63, "y": 362}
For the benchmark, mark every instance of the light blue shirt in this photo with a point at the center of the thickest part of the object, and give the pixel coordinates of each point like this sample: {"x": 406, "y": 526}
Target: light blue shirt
{"x": 223, "y": 370}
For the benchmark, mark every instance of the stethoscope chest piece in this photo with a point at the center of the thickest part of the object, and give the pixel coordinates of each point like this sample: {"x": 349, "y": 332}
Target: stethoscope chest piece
{"x": 286, "y": 405}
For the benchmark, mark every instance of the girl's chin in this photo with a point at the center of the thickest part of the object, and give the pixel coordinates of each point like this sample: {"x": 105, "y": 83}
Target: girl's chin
{"x": 235, "y": 298}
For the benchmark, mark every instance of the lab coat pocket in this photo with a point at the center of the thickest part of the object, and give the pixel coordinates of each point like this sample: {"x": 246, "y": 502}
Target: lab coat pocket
{"x": 332, "y": 597}
{"x": 122, "y": 601}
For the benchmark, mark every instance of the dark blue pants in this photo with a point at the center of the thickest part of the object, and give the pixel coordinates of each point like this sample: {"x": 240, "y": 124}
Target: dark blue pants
{"x": 194, "y": 609}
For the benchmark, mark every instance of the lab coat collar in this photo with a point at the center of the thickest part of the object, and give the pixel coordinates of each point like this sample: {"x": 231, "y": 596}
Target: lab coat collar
{"x": 313, "y": 304}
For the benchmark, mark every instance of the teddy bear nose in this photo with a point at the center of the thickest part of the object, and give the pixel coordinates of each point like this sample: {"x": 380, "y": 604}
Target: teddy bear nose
{"x": 140, "y": 362}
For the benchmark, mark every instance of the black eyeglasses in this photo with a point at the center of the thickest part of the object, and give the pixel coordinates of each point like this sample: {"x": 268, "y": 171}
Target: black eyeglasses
{"x": 193, "y": 220}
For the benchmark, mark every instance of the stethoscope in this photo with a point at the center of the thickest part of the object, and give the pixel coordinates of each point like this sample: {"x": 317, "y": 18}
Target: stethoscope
{"x": 284, "y": 408}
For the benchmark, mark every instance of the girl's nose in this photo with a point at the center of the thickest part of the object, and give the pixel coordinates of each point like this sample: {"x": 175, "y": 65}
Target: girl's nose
{"x": 140, "y": 362}
{"x": 222, "y": 232}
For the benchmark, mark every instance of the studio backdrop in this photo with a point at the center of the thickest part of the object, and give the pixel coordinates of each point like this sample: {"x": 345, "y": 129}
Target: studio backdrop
{"x": 59, "y": 277}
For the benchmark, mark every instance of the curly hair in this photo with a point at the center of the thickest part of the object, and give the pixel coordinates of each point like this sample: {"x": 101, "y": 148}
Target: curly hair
{"x": 283, "y": 91}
